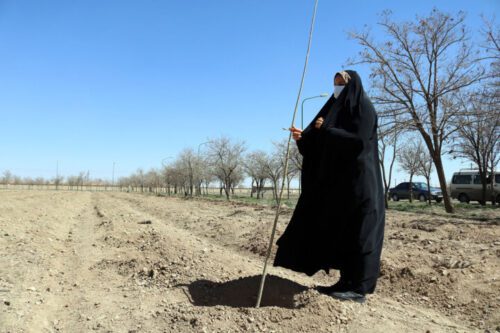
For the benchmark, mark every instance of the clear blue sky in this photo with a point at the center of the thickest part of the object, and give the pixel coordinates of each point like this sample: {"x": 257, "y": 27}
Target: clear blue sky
{"x": 89, "y": 83}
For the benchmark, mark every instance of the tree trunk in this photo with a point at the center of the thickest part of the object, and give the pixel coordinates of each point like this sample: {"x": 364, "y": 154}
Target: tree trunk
{"x": 252, "y": 187}
{"x": 411, "y": 188}
{"x": 484, "y": 187}
{"x": 492, "y": 183}
{"x": 227, "y": 188}
{"x": 288, "y": 180}
{"x": 483, "y": 194}
{"x": 429, "y": 196}
{"x": 275, "y": 190}
{"x": 384, "y": 179}
{"x": 442, "y": 183}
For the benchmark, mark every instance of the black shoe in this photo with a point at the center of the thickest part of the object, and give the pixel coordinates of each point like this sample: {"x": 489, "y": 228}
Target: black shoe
{"x": 340, "y": 286}
{"x": 348, "y": 296}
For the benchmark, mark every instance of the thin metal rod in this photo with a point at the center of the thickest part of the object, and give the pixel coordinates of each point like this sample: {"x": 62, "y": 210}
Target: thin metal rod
{"x": 285, "y": 169}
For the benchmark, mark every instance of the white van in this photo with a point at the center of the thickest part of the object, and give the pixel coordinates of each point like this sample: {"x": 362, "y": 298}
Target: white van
{"x": 466, "y": 186}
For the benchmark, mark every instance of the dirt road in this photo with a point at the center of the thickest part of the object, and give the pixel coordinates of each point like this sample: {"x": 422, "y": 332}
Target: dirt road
{"x": 117, "y": 262}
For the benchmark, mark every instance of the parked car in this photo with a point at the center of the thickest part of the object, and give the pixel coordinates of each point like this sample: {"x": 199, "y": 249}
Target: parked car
{"x": 419, "y": 191}
{"x": 466, "y": 186}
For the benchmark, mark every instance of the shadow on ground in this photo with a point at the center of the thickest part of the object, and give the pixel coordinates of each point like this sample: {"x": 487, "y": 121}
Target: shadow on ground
{"x": 243, "y": 292}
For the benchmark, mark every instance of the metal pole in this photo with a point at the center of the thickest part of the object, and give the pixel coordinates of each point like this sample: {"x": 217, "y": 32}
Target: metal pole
{"x": 285, "y": 169}
{"x": 113, "y": 176}
{"x": 57, "y": 175}
{"x": 199, "y": 146}
{"x": 302, "y": 108}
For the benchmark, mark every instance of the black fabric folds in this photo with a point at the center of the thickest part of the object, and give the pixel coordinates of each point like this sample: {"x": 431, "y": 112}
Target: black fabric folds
{"x": 339, "y": 219}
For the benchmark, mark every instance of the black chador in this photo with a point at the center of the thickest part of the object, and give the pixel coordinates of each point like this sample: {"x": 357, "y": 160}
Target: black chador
{"x": 339, "y": 219}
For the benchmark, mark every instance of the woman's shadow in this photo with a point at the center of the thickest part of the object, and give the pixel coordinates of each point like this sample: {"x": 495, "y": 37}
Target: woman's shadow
{"x": 243, "y": 292}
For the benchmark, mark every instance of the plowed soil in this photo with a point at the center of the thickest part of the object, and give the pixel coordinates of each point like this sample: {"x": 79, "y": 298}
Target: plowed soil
{"x": 119, "y": 262}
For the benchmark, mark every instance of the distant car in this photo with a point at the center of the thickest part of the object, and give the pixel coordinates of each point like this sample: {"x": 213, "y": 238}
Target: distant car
{"x": 420, "y": 192}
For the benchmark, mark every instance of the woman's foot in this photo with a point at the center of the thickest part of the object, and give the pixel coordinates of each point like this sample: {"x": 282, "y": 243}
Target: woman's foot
{"x": 340, "y": 286}
{"x": 348, "y": 296}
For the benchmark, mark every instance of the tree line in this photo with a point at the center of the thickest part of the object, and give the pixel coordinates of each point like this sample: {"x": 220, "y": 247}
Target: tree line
{"x": 224, "y": 163}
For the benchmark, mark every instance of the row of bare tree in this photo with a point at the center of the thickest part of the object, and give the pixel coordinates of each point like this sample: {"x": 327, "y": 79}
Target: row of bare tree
{"x": 429, "y": 77}
{"x": 83, "y": 178}
{"x": 224, "y": 162}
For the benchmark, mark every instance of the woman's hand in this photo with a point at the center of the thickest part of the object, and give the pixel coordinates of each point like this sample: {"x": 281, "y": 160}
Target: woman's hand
{"x": 319, "y": 122}
{"x": 296, "y": 133}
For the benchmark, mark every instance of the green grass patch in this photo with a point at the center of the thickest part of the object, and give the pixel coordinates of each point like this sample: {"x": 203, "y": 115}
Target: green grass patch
{"x": 472, "y": 211}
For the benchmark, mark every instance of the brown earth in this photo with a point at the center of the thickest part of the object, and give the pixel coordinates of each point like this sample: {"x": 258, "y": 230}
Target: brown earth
{"x": 118, "y": 262}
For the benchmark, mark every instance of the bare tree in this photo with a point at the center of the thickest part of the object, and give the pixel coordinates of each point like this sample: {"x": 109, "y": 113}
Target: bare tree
{"x": 417, "y": 70}
{"x": 478, "y": 134}
{"x": 189, "y": 164}
{"x": 173, "y": 177}
{"x": 152, "y": 180}
{"x": 274, "y": 168}
{"x": 237, "y": 178}
{"x": 7, "y": 177}
{"x": 494, "y": 160}
{"x": 58, "y": 180}
{"x": 388, "y": 147}
{"x": 226, "y": 157}
{"x": 16, "y": 180}
{"x": 207, "y": 174}
{"x": 296, "y": 163}
{"x": 139, "y": 178}
{"x": 39, "y": 181}
{"x": 71, "y": 180}
{"x": 492, "y": 49}
{"x": 81, "y": 179}
{"x": 255, "y": 167}
{"x": 409, "y": 161}
{"x": 292, "y": 170}
{"x": 425, "y": 167}
{"x": 491, "y": 32}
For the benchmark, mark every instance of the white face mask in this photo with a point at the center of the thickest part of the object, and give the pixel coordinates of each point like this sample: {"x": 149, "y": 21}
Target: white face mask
{"x": 337, "y": 90}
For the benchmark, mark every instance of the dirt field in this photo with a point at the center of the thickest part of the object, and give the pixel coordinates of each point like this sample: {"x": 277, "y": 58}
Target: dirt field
{"x": 117, "y": 262}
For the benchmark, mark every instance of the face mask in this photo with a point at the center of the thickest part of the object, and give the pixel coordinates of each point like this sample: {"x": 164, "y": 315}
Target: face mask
{"x": 337, "y": 90}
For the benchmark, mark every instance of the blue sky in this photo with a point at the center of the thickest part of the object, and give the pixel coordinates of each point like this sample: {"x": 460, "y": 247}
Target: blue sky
{"x": 89, "y": 83}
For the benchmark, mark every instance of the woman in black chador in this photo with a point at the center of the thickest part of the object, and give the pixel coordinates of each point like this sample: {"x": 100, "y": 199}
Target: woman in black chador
{"x": 339, "y": 219}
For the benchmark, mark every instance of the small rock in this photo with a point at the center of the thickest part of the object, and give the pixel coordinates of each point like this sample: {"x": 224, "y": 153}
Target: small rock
{"x": 6, "y": 303}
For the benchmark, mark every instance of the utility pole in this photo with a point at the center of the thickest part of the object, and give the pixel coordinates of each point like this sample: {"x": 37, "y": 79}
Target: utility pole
{"x": 57, "y": 175}
{"x": 113, "y": 176}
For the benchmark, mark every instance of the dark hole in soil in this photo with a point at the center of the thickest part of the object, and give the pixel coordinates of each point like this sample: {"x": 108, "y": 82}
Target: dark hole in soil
{"x": 243, "y": 292}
